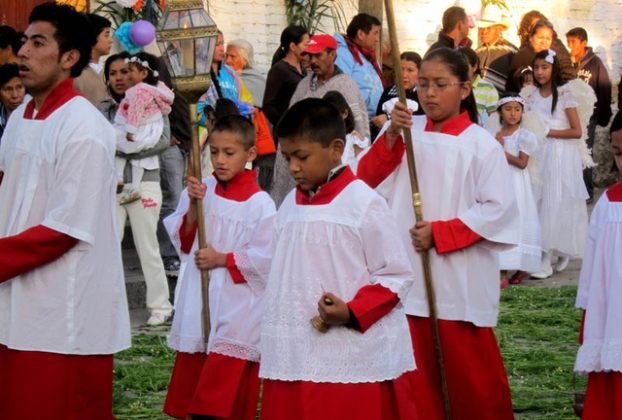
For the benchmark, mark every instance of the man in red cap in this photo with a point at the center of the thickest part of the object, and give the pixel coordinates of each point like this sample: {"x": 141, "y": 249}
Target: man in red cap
{"x": 326, "y": 76}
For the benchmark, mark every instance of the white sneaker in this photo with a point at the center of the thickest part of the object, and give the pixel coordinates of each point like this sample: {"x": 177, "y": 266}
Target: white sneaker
{"x": 541, "y": 275}
{"x": 561, "y": 264}
{"x": 156, "y": 319}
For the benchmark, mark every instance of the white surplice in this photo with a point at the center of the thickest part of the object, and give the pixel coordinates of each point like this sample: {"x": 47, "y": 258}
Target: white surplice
{"x": 246, "y": 229}
{"x": 464, "y": 176}
{"x": 338, "y": 247}
{"x": 600, "y": 290}
{"x": 59, "y": 172}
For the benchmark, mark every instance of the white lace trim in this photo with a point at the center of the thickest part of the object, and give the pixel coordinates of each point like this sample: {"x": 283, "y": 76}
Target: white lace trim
{"x": 236, "y": 350}
{"x": 244, "y": 263}
{"x": 294, "y": 352}
{"x": 596, "y": 356}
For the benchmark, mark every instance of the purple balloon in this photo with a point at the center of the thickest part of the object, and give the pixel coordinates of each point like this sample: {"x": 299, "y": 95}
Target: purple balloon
{"x": 142, "y": 32}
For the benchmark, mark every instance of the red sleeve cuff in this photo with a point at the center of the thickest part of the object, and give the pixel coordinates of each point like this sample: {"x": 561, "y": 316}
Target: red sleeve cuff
{"x": 452, "y": 235}
{"x": 380, "y": 162}
{"x": 236, "y": 274}
{"x": 187, "y": 239}
{"x": 370, "y": 304}
{"x": 32, "y": 249}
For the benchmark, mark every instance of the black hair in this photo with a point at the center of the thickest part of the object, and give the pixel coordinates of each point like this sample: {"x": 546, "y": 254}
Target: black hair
{"x": 525, "y": 26}
{"x": 577, "y": 33}
{"x": 73, "y": 31}
{"x": 8, "y": 72}
{"x": 363, "y": 22}
{"x": 411, "y": 56}
{"x": 616, "y": 123}
{"x": 152, "y": 62}
{"x": 457, "y": 65}
{"x": 10, "y": 37}
{"x": 111, "y": 59}
{"x": 312, "y": 119}
{"x": 508, "y": 94}
{"x": 337, "y": 99}
{"x": 452, "y": 17}
{"x": 556, "y": 76}
{"x": 98, "y": 23}
{"x": 520, "y": 75}
{"x": 542, "y": 23}
{"x": 471, "y": 57}
{"x": 238, "y": 125}
{"x": 293, "y": 33}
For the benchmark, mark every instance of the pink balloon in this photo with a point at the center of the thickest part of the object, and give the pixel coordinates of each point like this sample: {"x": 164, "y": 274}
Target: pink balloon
{"x": 142, "y": 32}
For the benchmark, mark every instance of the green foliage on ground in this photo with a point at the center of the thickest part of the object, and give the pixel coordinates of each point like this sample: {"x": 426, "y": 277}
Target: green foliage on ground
{"x": 537, "y": 333}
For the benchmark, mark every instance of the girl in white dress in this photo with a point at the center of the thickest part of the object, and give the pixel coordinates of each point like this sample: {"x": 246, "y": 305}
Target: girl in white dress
{"x": 520, "y": 145}
{"x": 562, "y": 208}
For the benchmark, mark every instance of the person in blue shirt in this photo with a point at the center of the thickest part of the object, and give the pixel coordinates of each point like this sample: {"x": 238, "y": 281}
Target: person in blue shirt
{"x": 356, "y": 57}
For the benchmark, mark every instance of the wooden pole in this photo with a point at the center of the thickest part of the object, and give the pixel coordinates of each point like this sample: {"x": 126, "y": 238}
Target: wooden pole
{"x": 418, "y": 209}
{"x": 195, "y": 161}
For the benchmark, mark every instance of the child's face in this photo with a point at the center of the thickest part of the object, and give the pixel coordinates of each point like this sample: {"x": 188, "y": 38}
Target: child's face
{"x": 136, "y": 74}
{"x": 309, "y": 162}
{"x": 528, "y": 80}
{"x": 511, "y": 113}
{"x": 542, "y": 71}
{"x": 228, "y": 155}
{"x": 616, "y": 146}
{"x": 440, "y": 91}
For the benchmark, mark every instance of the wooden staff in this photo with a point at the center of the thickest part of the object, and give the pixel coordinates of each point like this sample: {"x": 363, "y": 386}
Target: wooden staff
{"x": 195, "y": 161}
{"x": 418, "y": 208}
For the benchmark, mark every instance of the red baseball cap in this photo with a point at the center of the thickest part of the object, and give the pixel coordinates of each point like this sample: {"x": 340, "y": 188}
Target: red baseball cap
{"x": 319, "y": 43}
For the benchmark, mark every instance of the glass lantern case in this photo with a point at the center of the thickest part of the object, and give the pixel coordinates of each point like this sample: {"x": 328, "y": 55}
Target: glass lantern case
{"x": 187, "y": 38}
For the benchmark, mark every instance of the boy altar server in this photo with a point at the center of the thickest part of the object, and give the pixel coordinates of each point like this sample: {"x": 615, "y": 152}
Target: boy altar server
{"x": 220, "y": 379}
{"x": 336, "y": 256}
{"x": 63, "y": 310}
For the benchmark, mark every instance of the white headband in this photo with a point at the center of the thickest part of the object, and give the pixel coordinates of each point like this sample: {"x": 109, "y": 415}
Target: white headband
{"x": 528, "y": 68}
{"x": 550, "y": 56}
{"x": 509, "y": 99}
{"x": 143, "y": 63}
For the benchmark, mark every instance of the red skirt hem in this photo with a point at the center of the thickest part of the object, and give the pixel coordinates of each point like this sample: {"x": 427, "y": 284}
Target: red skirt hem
{"x": 213, "y": 385}
{"x": 603, "y": 398}
{"x": 42, "y": 385}
{"x": 476, "y": 378}
{"x": 302, "y": 400}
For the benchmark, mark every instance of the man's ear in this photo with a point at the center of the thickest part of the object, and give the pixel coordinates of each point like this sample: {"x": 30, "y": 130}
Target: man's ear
{"x": 69, "y": 59}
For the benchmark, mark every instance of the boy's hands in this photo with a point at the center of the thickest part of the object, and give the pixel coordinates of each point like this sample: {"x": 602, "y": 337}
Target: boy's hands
{"x": 208, "y": 258}
{"x": 196, "y": 189}
{"x": 129, "y": 137}
{"x": 333, "y": 310}
{"x": 422, "y": 237}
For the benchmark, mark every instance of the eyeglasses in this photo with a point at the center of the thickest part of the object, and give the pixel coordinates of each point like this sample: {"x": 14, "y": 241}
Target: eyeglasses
{"x": 437, "y": 86}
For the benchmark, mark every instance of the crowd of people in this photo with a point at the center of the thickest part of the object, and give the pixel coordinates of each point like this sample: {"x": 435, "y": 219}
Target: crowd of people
{"x": 316, "y": 284}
